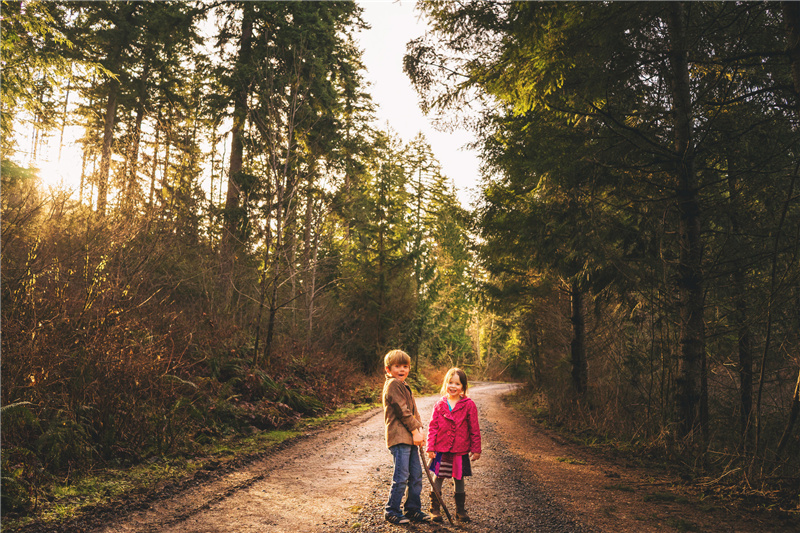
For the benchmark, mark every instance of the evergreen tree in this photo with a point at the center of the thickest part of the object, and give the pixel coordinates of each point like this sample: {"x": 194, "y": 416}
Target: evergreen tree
{"x": 637, "y": 94}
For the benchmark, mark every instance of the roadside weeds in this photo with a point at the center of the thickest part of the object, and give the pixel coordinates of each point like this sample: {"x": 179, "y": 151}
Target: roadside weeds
{"x": 650, "y": 491}
{"x": 108, "y": 491}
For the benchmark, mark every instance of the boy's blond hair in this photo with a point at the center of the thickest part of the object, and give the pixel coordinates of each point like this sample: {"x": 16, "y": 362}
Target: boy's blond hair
{"x": 462, "y": 377}
{"x": 396, "y": 357}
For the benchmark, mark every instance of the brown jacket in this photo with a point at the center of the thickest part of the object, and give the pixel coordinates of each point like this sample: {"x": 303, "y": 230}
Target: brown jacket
{"x": 400, "y": 413}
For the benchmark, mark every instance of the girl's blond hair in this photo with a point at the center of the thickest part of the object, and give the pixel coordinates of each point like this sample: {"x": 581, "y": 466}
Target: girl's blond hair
{"x": 462, "y": 376}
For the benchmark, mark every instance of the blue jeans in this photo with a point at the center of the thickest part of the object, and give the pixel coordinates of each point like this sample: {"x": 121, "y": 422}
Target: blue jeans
{"x": 407, "y": 473}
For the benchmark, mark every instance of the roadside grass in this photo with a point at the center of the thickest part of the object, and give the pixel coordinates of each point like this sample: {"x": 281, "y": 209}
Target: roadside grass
{"x": 704, "y": 490}
{"x": 534, "y": 405}
{"x": 339, "y": 414}
{"x": 665, "y": 497}
{"x": 64, "y": 500}
{"x": 570, "y": 460}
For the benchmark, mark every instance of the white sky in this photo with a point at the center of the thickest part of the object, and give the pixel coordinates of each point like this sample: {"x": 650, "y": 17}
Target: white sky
{"x": 394, "y": 23}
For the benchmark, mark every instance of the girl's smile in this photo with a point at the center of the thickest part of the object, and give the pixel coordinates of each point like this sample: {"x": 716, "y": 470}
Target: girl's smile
{"x": 454, "y": 387}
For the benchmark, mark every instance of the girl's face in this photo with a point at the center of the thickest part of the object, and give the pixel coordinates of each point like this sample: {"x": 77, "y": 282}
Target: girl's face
{"x": 454, "y": 387}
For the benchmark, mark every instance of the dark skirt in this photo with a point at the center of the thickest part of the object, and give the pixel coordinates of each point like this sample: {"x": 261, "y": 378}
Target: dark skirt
{"x": 456, "y": 466}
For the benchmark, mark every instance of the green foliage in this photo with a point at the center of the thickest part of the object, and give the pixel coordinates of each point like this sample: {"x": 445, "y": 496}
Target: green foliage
{"x": 60, "y": 500}
{"x": 629, "y": 163}
{"x": 32, "y": 49}
{"x": 145, "y": 315}
{"x": 17, "y": 414}
{"x": 404, "y": 263}
{"x": 420, "y": 384}
{"x": 12, "y": 174}
{"x": 62, "y": 443}
{"x": 18, "y": 479}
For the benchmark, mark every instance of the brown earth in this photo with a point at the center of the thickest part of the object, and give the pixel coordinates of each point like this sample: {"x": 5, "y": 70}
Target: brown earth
{"x": 527, "y": 480}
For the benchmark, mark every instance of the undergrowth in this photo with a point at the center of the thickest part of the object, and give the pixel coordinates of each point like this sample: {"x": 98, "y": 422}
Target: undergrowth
{"x": 107, "y": 419}
{"x": 63, "y": 499}
{"x": 704, "y": 479}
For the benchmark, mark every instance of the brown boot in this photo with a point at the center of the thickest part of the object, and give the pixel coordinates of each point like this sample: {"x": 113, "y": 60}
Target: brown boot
{"x": 436, "y": 514}
{"x": 461, "y": 513}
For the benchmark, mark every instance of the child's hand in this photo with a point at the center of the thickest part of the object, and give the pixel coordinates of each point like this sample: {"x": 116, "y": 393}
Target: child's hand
{"x": 431, "y": 455}
{"x": 474, "y": 456}
{"x": 418, "y": 438}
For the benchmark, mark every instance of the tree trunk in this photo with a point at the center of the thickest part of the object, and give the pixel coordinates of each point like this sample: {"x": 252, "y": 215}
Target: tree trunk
{"x": 232, "y": 216}
{"x": 262, "y": 296}
{"x": 487, "y": 361}
{"x": 132, "y": 165}
{"x": 312, "y": 288}
{"x": 273, "y": 310}
{"x": 274, "y": 268}
{"x": 580, "y": 368}
{"x": 418, "y": 268}
{"x": 108, "y": 139}
{"x": 380, "y": 218}
{"x": 691, "y": 406}
{"x": 113, "y": 64}
{"x": 793, "y": 413}
{"x": 211, "y": 166}
{"x": 740, "y": 318}
{"x": 309, "y": 270}
{"x": 791, "y": 14}
{"x": 264, "y": 285}
{"x": 535, "y": 354}
{"x": 155, "y": 166}
{"x": 84, "y": 157}
{"x": 291, "y": 255}
{"x": 745, "y": 351}
{"x": 165, "y": 172}
{"x": 240, "y": 110}
{"x": 64, "y": 117}
{"x": 273, "y": 302}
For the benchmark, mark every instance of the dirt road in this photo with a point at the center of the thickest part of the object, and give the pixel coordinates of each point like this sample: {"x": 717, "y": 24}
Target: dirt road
{"x": 337, "y": 480}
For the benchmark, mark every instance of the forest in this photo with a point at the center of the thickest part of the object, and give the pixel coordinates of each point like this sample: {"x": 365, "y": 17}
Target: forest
{"x": 244, "y": 244}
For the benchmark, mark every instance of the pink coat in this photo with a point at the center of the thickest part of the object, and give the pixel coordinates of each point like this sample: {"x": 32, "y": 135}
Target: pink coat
{"x": 457, "y": 431}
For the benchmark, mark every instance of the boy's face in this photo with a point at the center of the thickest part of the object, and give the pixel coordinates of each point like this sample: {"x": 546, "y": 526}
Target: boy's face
{"x": 398, "y": 372}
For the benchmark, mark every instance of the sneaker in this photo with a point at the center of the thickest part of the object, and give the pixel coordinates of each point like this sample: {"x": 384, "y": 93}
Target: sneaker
{"x": 395, "y": 519}
{"x": 418, "y": 516}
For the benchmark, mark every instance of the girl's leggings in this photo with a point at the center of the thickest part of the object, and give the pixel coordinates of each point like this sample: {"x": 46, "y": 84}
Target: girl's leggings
{"x": 459, "y": 484}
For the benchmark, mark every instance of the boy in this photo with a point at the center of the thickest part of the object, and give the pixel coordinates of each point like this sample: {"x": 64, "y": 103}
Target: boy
{"x": 403, "y": 436}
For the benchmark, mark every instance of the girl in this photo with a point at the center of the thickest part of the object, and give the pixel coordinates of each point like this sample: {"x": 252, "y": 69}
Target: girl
{"x": 454, "y": 440}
